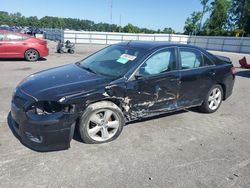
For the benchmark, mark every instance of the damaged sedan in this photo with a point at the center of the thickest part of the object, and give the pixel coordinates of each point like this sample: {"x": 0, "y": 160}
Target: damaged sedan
{"x": 118, "y": 84}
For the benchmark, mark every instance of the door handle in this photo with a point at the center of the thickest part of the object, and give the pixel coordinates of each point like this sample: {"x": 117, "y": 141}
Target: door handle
{"x": 24, "y": 43}
{"x": 212, "y": 73}
{"x": 174, "y": 79}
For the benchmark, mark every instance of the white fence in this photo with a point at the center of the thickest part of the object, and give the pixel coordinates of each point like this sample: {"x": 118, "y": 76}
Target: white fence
{"x": 229, "y": 44}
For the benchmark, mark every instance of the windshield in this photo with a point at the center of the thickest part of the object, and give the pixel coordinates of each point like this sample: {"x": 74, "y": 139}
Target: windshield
{"x": 114, "y": 61}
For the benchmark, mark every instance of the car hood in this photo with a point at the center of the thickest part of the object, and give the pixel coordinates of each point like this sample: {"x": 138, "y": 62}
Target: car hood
{"x": 59, "y": 82}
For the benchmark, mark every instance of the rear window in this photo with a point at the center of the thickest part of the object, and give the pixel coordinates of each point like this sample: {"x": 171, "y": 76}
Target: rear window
{"x": 207, "y": 61}
{"x": 192, "y": 58}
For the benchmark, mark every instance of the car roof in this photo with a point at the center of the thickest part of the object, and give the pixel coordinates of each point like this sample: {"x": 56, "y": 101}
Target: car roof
{"x": 150, "y": 45}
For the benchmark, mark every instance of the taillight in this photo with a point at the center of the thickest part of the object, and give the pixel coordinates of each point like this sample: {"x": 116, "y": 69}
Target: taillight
{"x": 233, "y": 70}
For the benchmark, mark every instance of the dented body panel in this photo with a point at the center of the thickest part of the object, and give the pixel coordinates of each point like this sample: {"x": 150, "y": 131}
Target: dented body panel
{"x": 70, "y": 89}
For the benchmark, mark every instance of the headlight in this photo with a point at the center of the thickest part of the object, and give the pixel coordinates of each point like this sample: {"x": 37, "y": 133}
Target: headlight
{"x": 49, "y": 107}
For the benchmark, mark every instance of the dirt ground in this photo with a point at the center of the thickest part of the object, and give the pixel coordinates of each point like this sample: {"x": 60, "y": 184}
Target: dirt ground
{"x": 185, "y": 149}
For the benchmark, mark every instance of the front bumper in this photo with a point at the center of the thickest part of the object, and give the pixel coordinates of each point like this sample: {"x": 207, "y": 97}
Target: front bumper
{"x": 43, "y": 133}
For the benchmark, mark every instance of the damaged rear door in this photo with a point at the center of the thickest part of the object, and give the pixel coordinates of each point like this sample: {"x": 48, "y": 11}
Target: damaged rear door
{"x": 197, "y": 74}
{"x": 155, "y": 85}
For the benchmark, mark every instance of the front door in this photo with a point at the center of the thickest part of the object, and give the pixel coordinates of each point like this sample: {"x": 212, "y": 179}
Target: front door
{"x": 155, "y": 85}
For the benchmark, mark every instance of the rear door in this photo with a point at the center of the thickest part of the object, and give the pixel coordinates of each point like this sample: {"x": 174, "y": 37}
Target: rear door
{"x": 197, "y": 76}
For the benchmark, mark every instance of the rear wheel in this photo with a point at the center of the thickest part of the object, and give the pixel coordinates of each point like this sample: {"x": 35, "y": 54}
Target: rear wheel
{"x": 31, "y": 55}
{"x": 213, "y": 100}
{"x": 60, "y": 51}
{"x": 101, "y": 122}
{"x": 71, "y": 51}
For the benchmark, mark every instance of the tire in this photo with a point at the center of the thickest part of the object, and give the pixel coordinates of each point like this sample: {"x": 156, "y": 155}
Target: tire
{"x": 71, "y": 51}
{"x": 60, "y": 51}
{"x": 95, "y": 128}
{"x": 212, "y": 100}
{"x": 31, "y": 55}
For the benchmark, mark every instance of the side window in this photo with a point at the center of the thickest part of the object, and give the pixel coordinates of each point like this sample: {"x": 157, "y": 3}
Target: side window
{"x": 207, "y": 61}
{"x": 190, "y": 58}
{"x": 13, "y": 37}
{"x": 160, "y": 62}
{"x": 1, "y": 36}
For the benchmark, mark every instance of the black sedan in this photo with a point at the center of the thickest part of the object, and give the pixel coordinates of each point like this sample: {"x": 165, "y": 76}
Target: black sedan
{"x": 118, "y": 84}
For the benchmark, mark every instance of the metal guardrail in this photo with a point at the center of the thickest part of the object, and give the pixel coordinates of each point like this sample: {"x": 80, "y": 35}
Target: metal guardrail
{"x": 53, "y": 34}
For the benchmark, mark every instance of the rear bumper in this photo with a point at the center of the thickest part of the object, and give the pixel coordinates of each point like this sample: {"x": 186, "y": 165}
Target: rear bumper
{"x": 229, "y": 84}
{"x": 43, "y": 133}
{"x": 44, "y": 51}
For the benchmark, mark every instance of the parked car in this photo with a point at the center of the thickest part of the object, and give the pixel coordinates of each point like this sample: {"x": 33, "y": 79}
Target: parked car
{"x": 118, "y": 84}
{"x": 18, "y": 45}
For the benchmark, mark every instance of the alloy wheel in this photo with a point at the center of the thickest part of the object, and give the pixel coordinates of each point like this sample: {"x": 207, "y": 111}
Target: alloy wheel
{"x": 32, "y": 55}
{"x": 214, "y": 99}
{"x": 103, "y": 125}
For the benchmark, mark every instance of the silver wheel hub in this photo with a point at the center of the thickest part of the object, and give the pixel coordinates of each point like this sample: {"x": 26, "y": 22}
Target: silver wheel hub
{"x": 32, "y": 54}
{"x": 214, "y": 99}
{"x": 103, "y": 125}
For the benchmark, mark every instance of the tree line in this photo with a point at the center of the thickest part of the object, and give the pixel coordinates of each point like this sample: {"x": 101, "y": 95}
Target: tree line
{"x": 17, "y": 19}
{"x": 224, "y": 17}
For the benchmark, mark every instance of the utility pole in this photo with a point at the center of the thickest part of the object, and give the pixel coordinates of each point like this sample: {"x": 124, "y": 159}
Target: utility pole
{"x": 120, "y": 23}
{"x": 111, "y": 14}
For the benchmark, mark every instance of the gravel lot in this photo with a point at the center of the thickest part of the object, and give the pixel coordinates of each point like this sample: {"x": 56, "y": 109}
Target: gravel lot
{"x": 185, "y": 149}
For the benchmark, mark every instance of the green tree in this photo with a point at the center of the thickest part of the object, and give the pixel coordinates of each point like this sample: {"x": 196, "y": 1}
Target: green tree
{"x": 131, "y": 29}
{"x": 247, "y": 17}
{"x": 192, "y": 23}
{"x": 218, "y": 20}
{"x": 205, "y": 9}
{"x": 4, "y": 18}
{"x": 168, "y": 30}
{"x": 32, "y": 21}
{"x": 240, "y": 15}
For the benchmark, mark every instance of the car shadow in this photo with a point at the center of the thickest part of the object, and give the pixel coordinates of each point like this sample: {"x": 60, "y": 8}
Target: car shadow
{"x": 245, "y": 73}
{"x": 21, "y": 59}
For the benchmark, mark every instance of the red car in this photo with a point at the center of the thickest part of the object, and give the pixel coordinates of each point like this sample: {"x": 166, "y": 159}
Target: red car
{"x": 18, "y": 45}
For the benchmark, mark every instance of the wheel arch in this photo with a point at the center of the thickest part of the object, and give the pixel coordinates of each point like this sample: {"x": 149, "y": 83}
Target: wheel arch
{"x": 30, "y": 48}
{"x": 224, "y": 90}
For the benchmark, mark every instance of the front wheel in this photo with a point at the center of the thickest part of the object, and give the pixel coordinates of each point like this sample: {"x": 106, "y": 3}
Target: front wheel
{"x": 212, "y": 100}
{"x": 101, "y": 122}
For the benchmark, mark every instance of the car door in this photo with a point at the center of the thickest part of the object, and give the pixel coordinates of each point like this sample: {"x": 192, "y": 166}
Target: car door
{"x": 13, "y": 45}
{"x": 155, "y": 85}
{"x": 195, "y": 76}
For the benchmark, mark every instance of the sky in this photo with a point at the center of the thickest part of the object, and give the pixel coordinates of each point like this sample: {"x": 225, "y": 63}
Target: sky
{"x": 152, "y": 14}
